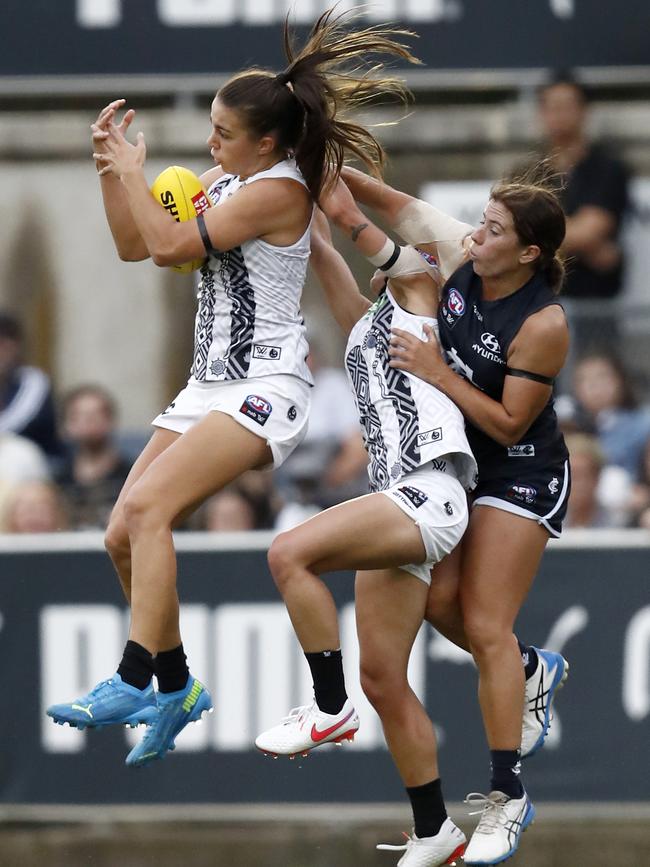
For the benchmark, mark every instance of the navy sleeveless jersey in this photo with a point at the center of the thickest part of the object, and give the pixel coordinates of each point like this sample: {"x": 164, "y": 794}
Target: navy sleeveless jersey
{"x": 476, "y": 335}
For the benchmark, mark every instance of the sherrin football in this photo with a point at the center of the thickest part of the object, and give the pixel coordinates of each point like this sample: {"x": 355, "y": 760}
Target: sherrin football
{"x": 182, "y": 195}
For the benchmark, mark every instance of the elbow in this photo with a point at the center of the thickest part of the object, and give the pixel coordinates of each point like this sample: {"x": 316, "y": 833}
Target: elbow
{"x": 511, "y": 436}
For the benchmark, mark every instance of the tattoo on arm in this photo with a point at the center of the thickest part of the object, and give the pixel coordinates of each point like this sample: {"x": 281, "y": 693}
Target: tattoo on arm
{"x": 357, "y": 230}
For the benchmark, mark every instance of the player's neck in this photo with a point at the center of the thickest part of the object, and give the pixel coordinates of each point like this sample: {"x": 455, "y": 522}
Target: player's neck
{"x": 502, "y": 285}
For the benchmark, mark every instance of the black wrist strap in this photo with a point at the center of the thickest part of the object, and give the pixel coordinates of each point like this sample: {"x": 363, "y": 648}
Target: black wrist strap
{"x": 526, "y": 374}
{"x": 394, "y": 257}
{"x": 203, "y": 229}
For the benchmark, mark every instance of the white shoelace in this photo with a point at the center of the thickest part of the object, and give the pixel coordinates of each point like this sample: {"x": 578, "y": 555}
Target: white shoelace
{"x": 298, "y": 713}
{"x": 389, "y": 847}
{"x": 491, "y": 812}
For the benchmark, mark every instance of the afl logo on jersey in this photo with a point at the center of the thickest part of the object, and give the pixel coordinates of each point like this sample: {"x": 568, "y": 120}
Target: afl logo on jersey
{"x": 257, "y": 408}
{"x": 522, "y": 493}
{"x": 456, "y": 302}
{"x": 490, "y": 342}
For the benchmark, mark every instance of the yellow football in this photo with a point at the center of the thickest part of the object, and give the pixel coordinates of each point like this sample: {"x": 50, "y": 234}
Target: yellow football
{"x": 182, "y": 195}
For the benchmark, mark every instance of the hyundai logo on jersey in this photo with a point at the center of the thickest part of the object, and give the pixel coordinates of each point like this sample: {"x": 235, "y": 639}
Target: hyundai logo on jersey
{"x": 257, "y": 408}
{"x": 490, "y": 341}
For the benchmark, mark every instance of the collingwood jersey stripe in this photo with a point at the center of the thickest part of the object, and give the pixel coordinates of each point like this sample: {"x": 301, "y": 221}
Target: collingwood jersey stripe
{"x": 399, "y": 390}
{"x": 242, "y": 326}
{"x": 369, "y": 420}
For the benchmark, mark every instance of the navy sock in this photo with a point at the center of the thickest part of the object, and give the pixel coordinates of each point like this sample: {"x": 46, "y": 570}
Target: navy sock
{"x": 505, "y": 770}
{"x": 529, "y": 658}
{"x": 428, "y": 807}
{"x": 171, "y": 669}
{"x": 136, "y": 667}
{"x": 329, "y": 684}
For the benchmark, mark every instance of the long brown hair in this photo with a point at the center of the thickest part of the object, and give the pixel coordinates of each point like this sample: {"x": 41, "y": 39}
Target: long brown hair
{"x": 304, "y": 105}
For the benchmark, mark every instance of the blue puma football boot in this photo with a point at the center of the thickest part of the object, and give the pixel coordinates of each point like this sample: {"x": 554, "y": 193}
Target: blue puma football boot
{"x": 111, "y": 702}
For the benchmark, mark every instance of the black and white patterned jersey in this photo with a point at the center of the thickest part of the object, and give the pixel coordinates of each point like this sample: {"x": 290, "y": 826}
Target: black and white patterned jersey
{"x": 248, "y": 322}
{"x": 405, "y": 421}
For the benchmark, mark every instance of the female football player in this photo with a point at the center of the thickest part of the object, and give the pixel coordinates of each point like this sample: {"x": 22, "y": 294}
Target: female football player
{"x": 505, "y": 338}
{"x": 274, "y": 139}
{"x": 420, "y": 468}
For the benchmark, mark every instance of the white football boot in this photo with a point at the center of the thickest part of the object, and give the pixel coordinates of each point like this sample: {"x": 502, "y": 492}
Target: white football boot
{"x": 446, "y": 847}
{"x": 308, "y": 727}
{"x": 552, "y": 671}
{"x": 502, "y": 821}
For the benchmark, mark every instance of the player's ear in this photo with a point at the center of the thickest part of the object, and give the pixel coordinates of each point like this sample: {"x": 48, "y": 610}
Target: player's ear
{"x": 266, "y": 145}
{"x": 529, "y": 254}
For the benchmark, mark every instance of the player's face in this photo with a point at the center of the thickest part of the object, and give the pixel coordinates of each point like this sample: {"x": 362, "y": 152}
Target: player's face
{"x": 496, "y": 249}
{"x": 231, "y": 144}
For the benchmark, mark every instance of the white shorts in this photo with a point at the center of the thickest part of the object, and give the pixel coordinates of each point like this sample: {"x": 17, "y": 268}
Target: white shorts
{"x": 437, "y": 502}
{"x": 275, "y": 408}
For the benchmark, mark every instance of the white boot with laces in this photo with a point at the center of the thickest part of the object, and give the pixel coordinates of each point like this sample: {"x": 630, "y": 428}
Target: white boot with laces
{"x": 502, "y": 821}
{"x": 446, "y": 847}
{"x": 308, "y": 727}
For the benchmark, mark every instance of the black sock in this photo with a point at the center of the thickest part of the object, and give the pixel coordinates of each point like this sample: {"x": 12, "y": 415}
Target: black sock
{"x": 428, "y": 808}
{"x": 529, "y": 659}
{"x": 171, "y": 669}
{"x": 137, "y": 665}
{"x": 329, "y": 684}
{"x": 506, "y": 766}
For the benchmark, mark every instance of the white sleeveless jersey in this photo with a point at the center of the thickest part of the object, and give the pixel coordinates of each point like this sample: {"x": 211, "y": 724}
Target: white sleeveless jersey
{"x": 406, "y": 422}
{"x": 248, "y": 322}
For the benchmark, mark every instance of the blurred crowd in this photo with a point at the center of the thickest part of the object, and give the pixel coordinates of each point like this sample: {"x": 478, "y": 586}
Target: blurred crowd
{"x": 63, "y": 459}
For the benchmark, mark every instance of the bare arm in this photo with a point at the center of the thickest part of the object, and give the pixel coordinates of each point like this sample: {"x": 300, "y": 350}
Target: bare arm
{"x": 415, "y": 221}
{"x": 540, "y": 347}
{"x": 277, "y": 210}
{"x": 126, "y": 237}
{"x": 347, "y": 304}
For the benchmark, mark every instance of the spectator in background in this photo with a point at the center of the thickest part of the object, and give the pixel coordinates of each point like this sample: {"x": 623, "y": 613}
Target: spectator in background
{"x": 585, "y": 508}
{"x": 248, "y": 504}
{"x": 21, "y": 460}
{"x": 603, "y": 390}
{"x": 92, "y": 474}
{"x": 26, "y": 402}
{"x": 594, "y": 198}
{"x": 34, "y": 507}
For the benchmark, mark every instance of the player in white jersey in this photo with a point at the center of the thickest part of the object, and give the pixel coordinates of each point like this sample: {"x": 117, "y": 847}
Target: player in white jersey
{"x": 275, "y": 139}
{"x": 420, "y": 468}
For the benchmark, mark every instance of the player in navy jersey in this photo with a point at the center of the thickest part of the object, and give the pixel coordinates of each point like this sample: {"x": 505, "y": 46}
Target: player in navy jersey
{"x": 505, "y": 338}
{"x": 420, "y": 466}
{"x": 274, "y": 139}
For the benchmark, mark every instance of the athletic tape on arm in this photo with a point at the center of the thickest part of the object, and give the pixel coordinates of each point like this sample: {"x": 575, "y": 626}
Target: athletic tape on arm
{"x": 421, "y": 223}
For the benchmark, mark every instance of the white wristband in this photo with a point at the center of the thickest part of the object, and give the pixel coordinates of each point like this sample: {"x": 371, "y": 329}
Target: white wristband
{"x": 387, "y": 252}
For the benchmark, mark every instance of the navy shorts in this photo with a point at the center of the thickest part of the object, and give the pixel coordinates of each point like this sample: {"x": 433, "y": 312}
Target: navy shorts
{"x": 541, "y": 495}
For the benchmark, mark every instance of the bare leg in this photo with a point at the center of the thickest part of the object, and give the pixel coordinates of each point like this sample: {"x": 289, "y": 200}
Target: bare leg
{"x": 495, "y": 581}
{"x": 389, "y": 607}
{"x": 203, "y": 460}
{"x": 117, "y": 538}
{"x": 367, "y": 533}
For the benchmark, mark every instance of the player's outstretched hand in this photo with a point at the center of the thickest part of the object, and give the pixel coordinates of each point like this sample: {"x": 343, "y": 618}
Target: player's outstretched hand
{"x": 106, "y": 117}
{"x": 118, "y": 156}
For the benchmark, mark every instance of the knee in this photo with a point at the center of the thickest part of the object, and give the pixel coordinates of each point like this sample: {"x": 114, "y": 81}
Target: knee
{"x": 282, "y": 559}
{"x": 443, "y": 605}
{"x": 140, "y": 508}
{"x": 381, "y": 685}
{"x": 116, "y": 539}
{"x": 485, "y": 637}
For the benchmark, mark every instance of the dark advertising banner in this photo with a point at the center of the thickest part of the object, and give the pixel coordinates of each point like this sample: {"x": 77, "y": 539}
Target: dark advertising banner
{"x": 63, "y": 625}
{"x": 81, "y": 37}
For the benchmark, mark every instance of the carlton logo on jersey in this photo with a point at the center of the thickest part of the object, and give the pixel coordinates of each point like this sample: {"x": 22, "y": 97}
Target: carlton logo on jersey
{"x": 257, "y": 408}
